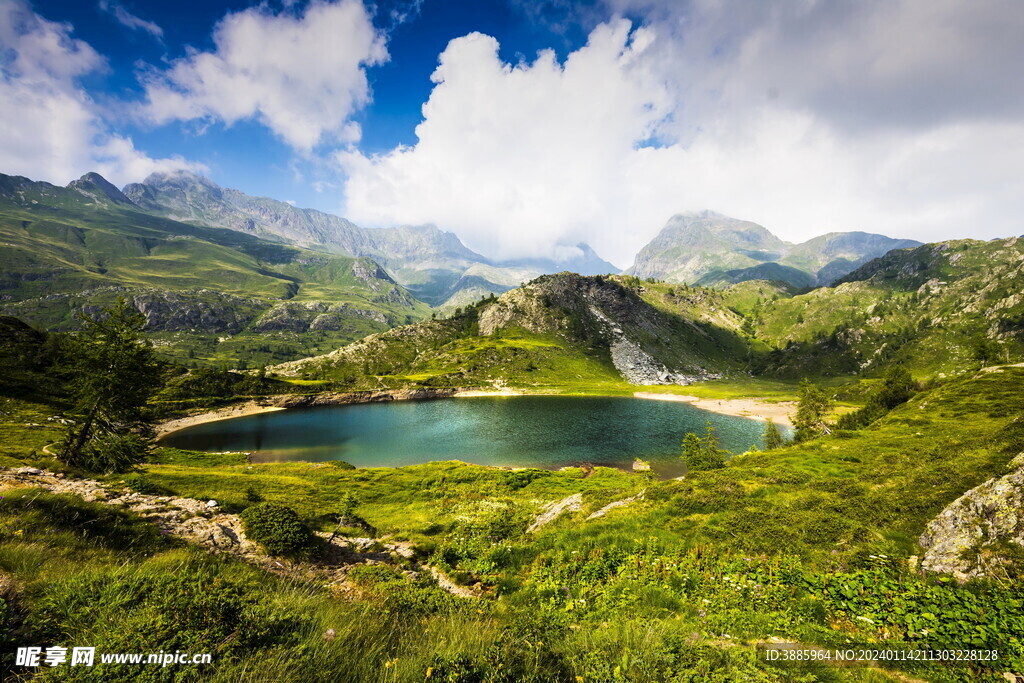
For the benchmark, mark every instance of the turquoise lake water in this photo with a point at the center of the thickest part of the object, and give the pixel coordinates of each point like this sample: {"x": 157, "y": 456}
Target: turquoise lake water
{"x": 520, "y": 431}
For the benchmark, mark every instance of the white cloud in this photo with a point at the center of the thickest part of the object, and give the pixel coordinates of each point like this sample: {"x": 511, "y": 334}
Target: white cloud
{"x": 516, "y": 159}
{"x": 52, "y": 129}
{"x": 129, "y": 20}
{"x": 302, "y": 76}
{"x": 899, "y": 117}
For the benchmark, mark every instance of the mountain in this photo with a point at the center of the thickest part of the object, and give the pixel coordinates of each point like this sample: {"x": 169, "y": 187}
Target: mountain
{"x": 710, "y": 248}
{"x": 693, "y": 244}
{"x": 97, "y": 187}
{"x": 556, "y": 330}
{"x": 831, "y": 256}
{"x": 771, "y": 271}
{"x": 208, "y": 293}
{"x": 938, "y": 309}
{"x": 433, "y": 264}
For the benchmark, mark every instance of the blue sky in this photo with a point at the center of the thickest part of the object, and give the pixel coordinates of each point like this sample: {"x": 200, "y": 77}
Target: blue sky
{"x": 245, "y": 154}
{"x": 527, "y": 126}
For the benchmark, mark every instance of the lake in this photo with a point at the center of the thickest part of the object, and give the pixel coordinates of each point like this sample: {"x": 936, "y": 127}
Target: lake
{"x": 520, "y": 431}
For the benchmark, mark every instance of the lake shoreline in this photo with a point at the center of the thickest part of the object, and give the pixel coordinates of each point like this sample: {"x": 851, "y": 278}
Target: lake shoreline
{"x": 751, "y": 408}
{"x": 268, "y": 404}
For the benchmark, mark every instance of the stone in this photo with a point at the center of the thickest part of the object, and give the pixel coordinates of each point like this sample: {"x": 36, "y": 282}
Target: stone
{"x": 962, "y": 539}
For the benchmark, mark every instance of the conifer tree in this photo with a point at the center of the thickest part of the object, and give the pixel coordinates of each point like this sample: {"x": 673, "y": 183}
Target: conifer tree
{"x": 772, "y": 436}
{"x": 113, "y": 372}
{"x": 814, "y": 405}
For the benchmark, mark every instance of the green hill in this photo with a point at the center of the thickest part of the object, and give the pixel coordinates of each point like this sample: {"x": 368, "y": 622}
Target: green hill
{"x": 940, "y": 309}
{"x": 556, "y": 331}
{"x": 208, "y": 293}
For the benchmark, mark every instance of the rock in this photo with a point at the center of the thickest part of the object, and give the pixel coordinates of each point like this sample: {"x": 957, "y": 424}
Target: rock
{"x": 641, "y": 466}
{"x": 211, "y": 503}
{"x": 28, "y": 470}
{"x": 616, "y": 504}
{"x": 554, "y": 510}
{"x": 964, "y": 539}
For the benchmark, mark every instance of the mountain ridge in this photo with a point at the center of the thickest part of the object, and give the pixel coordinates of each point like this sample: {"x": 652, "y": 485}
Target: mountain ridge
{"x": 709, "y": 247}
{"x": 208, "y": 292}
{"x": 429, "y": 261}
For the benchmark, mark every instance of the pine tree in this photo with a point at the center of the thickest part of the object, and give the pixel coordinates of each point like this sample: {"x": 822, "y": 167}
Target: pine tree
{"x": 772, "y": 436}
{"x": 113, "y": 373}
{"x": 814, "y": 405}
{"x": 897, "y": 387}
{"x": 703, "y": 453}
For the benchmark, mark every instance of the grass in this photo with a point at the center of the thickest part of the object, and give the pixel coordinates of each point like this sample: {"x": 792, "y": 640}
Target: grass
{"x": 26, "y": 427}
{"x": 413, "y": 502}
{"x": 679, "y": 585}
{"x": 83, "y": 585}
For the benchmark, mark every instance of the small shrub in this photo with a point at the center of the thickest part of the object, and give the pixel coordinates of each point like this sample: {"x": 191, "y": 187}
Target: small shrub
{"x": 278, "y": 529}
{"x": 703, "y": 453}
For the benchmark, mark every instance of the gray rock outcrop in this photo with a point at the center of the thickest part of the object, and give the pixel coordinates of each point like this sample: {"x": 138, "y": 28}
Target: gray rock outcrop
{"x": 969, "y": 539}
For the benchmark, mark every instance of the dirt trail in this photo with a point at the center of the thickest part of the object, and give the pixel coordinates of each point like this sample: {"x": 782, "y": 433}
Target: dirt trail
{"x": 204, "y": 524}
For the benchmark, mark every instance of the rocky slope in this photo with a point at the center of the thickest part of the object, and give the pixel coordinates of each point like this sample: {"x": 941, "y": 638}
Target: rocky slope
{"x": 710, "y": 248}
{"x": 560, "y": 327}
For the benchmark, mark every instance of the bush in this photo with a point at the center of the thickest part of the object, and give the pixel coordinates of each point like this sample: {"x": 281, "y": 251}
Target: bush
{"x": 703, "y": 453}
{"x": 278, "y": 529}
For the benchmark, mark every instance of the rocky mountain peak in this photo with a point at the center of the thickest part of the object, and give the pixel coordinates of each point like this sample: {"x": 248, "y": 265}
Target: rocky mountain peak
{"x": 96, "y": 186}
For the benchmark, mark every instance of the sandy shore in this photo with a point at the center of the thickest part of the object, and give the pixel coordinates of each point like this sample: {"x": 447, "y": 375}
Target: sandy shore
{"x": 226, "y": 413}
{"x": 741, "y": 407}
{"x": 478, "y": 393}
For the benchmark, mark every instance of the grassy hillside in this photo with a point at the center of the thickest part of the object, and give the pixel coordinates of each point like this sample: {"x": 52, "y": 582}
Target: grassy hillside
{"x": 67, "y": 250}
{"x": 940, "y": 309}
{"x": 810, "y": 544}
{"x": 558, "y": 331}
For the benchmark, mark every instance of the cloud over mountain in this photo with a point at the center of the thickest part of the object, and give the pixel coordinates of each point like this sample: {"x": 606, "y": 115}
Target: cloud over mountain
{"x": 901, "y": 117}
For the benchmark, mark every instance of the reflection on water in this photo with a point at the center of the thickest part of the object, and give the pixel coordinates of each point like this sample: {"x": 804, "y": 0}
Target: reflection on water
{"x": 523, "y": 431}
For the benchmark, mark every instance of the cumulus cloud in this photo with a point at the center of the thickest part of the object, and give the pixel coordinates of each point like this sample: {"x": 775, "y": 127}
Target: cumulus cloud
{"x": 129, "y": 20}
{"x": 301, "y": 75}
{"x": 52, "y": 129}
{"x": 517, "y": 158}
{"x": 904, "y": 117}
